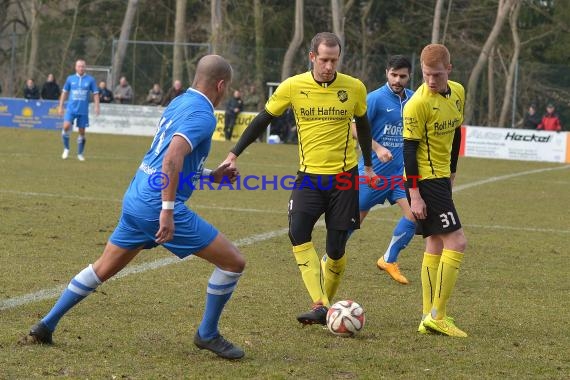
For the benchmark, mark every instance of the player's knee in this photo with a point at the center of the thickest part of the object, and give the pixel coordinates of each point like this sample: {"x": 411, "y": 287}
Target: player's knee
{"x": 459, "y": 242}
{"x": 299, "y": 234}
{"x": 336, "y": 243}
{"x": 237, "y": 262}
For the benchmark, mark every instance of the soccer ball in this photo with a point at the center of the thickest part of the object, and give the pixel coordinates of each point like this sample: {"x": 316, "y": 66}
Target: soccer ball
{"x": 345, "y": 318}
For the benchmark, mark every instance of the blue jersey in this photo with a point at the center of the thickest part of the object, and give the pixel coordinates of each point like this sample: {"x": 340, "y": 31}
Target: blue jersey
{"x": 191, "y": 116}
{"x": 79, "y": 89}
{"x": 385, "y": 114}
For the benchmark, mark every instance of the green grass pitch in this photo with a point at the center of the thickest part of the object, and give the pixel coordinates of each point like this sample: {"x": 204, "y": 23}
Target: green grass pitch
{"x": 512, "y": 295}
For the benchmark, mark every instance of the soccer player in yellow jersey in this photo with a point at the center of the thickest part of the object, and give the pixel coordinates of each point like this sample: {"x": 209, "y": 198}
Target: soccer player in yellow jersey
{"x": 324, "y": 103}
{"x": 432, "y": 137}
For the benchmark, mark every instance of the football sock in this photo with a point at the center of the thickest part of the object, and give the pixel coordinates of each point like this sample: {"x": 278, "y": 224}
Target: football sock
{"x": 80, "y": 287}
{"x": 65, "y": 138}
{"x": 80, "y": 144}
{"x": 220, "y": 288}
{"x": 430, "y": 264}
{"x": 403, "y": 233}
{"x": 310, "y": 267}
{"x": 447, "y": 273}
{"x": 333, "y": 271}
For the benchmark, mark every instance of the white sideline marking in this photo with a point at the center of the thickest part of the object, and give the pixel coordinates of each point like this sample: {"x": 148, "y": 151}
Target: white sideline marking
{"x": 55, "y": 291}
{"x": 490, "y": 227}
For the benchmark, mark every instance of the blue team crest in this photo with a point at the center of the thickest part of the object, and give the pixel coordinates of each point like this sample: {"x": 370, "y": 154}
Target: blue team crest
{"x": 342, "y": 96}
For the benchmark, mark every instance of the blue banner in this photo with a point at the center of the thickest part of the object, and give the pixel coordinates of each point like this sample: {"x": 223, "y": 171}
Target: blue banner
{"x": 24, "y": 113}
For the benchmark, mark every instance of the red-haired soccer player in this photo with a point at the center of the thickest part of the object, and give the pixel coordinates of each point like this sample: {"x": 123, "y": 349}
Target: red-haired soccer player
{"x": 432, "y": 137}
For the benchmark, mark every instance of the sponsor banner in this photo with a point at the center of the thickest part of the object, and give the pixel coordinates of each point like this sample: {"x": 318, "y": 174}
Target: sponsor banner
{"x": 242, "y": 121}
{"x": 120, "y": 119}
{"x": 124, "y": 119}
{"x": 516, "y": 144}
{"x": 31, "y": 114}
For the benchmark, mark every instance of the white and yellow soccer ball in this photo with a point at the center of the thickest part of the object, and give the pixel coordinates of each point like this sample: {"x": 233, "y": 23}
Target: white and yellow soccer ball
{"x": 346, "y": 318}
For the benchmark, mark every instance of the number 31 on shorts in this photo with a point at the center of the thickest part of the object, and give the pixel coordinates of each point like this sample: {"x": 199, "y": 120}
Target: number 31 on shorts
{"x": 447, "y": 219}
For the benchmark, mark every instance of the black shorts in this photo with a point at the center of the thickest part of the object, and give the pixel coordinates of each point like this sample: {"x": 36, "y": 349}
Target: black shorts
{"x": 315, "y": 194}
{"x": 442, "y": 216}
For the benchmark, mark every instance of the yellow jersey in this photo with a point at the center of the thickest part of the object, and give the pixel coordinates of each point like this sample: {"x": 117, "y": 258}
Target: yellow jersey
{"x": 431, "y": 118}
{"x": 323, "y": 114}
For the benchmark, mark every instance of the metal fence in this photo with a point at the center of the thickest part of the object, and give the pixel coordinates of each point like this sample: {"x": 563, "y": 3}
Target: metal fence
{"x": 148, "y": 62}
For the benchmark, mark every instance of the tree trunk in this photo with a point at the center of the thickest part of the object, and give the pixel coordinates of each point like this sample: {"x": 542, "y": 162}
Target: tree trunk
{"x": 513, "y": 20}
{"x": 216, "y": 24}
{"x": 502, "y": 11}
{"x": 436, "y": 22}
{"x": 179, "y": 40}
{"x": 339, "y": 10}
{"x": 34, "y": 37}
{"x": 295, "y": 42}
{"x": 119, "y": 57}
{"x": 364, "y": 53}
{"x": 259, "y": 51}
{"x": 446, "y": 22}
{"x": 491, "y": 112}
{"x": 64, "y": 62}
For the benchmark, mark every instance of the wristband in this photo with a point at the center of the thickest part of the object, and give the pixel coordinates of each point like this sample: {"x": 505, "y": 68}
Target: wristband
{"x": 168, "y": 205}
{"x": 206, "y": 172}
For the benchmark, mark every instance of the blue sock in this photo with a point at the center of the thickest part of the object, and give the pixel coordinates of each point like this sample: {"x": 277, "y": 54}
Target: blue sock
{"x": 220, "y": 288}
{"x": 65, "y": 138}
{"x": 80, "y": 287}
{"x": 80, "y": 144}
{"x": 403, "y": 233}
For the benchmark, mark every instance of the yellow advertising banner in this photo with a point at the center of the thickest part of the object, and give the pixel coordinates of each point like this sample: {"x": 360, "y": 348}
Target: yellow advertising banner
{"x": 242, "y": 121}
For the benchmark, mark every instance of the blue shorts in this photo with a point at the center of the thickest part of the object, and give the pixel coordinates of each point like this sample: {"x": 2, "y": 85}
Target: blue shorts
{"x": 370, "y": 197}
{"x": 82, "y": 120}
{"x": 191, "y": 234}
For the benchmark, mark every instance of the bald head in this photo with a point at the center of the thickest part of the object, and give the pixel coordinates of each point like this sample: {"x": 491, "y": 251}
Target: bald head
{"x": 213, "y": 76}
{"x": 211, "y": 69}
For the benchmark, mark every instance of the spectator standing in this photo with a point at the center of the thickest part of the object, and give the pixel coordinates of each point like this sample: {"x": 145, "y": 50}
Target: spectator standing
{"x": 31, "y": 90}
{"x": 251, "y": 99}
{"x": 550, "y": 120}
{"x": 233, "y": 107}
{"x": 154, "y": 97}
{"x": 173, "y": 92}
{"x": 531, "y": 118}
{"x": 105, "y": 95}
{"x": 50, "y": 89}
{"x": 123, "y": 92}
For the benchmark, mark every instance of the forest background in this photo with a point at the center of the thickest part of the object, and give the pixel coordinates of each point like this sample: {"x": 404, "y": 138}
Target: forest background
{"x": 507, "y": 53}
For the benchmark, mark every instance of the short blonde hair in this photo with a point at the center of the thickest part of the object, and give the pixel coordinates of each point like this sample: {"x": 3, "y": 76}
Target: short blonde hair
{"x": 433, "y": 54}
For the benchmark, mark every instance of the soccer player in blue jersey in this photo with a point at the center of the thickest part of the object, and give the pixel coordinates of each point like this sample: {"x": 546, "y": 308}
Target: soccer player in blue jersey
{"x": 154, "y": 212}
{"x": 78, "y": 87}
{"x": 385, "y": 107}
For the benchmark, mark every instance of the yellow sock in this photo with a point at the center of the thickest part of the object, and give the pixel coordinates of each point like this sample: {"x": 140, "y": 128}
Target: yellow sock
{"x": 430, "y": 265}
{"x": 446, "y": 277}
{"x": 309, "y": 265}
{"x": 333, "y": 271}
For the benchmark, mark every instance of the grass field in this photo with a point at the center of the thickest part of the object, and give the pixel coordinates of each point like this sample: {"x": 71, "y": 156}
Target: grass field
{"x": 512, "y": 296}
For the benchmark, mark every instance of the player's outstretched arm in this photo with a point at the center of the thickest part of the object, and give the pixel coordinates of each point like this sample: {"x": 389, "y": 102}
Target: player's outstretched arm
{"x": 251, "y": 133}
{"x": 224, "y": 173}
